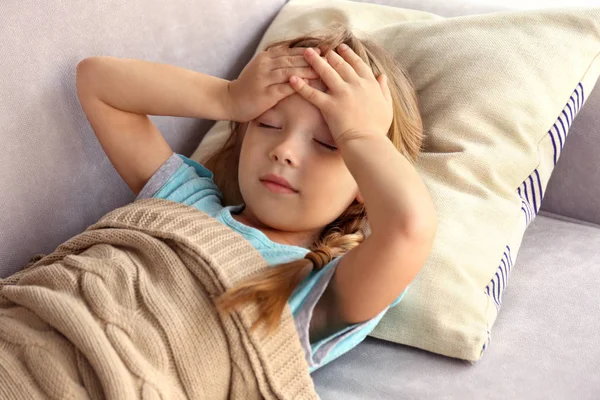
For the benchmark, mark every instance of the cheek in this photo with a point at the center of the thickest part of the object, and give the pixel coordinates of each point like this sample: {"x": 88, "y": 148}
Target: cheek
{"x": 249, "y": 150}
{"x": 246, "y": 164}
{"x": 334, "y": 179}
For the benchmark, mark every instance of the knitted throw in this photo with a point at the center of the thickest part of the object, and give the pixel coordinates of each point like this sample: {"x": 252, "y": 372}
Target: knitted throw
{"x": 124, "y": 311}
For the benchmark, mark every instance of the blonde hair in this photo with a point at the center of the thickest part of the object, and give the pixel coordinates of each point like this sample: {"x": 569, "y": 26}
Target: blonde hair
{"x": 273, "y": 286}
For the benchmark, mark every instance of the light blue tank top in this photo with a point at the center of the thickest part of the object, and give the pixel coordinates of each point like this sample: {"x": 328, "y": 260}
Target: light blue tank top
{"x": 185, "y": 181}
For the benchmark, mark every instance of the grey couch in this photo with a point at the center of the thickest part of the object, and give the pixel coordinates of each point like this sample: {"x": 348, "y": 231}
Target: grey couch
{"x": 55, "y": 180}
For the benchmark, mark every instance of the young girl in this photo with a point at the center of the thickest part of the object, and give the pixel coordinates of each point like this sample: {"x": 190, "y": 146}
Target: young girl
{"x": 325, "y": 129}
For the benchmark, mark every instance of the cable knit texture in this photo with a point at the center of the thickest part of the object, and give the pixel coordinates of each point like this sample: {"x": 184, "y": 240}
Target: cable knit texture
{"x": 124, "y": 311}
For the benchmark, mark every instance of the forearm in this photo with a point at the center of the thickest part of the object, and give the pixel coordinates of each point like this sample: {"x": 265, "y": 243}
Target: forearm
{"x": 395, "y": 196}
{"x": 145, "y": 87}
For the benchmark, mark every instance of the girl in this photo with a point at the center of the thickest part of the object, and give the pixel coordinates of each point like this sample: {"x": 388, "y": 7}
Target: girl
{"x": 325, "y": 129}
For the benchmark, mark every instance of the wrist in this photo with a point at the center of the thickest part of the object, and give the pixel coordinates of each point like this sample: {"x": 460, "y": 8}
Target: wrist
{"x": 351, "y": 137}
{"x": 227, "y": 102}
{"x": 208, "y": 95}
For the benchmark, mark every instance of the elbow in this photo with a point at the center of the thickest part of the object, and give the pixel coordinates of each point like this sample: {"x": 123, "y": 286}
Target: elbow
{"x": 420, "y": 227}
{"x": 417, "y": 230}
{"x": 425, "y": 227}
{"x": 82, "y": 81}
{"x": 86, "y": 75}
{"x": 89, "y": 63}
{"x": 84, "y": 66}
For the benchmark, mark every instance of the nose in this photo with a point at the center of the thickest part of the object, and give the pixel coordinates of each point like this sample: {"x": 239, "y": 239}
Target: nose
{"x": 286, "y": 152}
{"x": 286, "y": 159}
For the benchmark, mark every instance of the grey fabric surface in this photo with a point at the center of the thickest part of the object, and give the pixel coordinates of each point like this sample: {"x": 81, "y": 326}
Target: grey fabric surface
{"x": 574, "y": 187}
{"x": 55, "y": 180}
{"x": 545, "y": 343}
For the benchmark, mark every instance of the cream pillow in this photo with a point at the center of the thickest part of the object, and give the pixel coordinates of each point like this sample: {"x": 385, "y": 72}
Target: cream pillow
{"x": 498, "y": 94}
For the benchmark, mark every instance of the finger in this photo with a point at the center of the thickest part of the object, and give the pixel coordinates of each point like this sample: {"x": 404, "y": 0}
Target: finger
{"x": 344, "y": 69}
{"x": 289, "y": 61}
{"x": 318, "y": 84}
{"x": 316, "y": 97}
{"x": 282, "y": 75}
{"x": 280, "y": 91}
{"x": 328, "y": 75}
{"x": 357, "y": 63}
{"x": 383, "y": 83}
{"x": 278, "y": 51}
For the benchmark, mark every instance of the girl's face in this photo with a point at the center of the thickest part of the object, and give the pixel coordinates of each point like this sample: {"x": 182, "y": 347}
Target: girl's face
{"x": 284, "y": 141}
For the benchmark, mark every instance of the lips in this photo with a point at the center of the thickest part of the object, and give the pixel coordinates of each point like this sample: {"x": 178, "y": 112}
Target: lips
{"x": 277, "y": 183}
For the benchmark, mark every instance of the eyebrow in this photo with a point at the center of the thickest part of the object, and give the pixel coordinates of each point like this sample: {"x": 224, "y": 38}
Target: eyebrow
{"x": 282, "y": 114}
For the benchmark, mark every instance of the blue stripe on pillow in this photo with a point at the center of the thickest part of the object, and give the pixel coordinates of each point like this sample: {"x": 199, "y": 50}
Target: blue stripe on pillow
{"x": 500, "y": 279}
{"x": 531, "y": 193}
{"x": 558, "y": 132}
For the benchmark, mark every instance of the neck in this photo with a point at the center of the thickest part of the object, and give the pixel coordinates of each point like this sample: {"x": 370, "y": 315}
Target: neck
{"x": 301, "y": 239}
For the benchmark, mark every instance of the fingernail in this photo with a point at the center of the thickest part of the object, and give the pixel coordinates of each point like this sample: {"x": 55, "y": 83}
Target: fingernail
{"x": 343, "y": 47}
{"x": 294, "y": 79}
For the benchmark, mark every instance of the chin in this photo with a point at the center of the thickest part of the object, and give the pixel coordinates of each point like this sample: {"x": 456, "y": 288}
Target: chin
{"x": 274, "y": 217}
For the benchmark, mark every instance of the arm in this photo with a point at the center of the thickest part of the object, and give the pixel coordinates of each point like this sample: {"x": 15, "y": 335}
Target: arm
{"x": 358, "y": 110}
{"x": 117, "y": 94}
{"x": 144, "y": 87}
{"x": 403, "y": 223}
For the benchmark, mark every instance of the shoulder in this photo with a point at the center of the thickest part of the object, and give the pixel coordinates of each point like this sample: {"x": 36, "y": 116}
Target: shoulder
{"x": 179, "y": 179}
{"x": 160, "y": 176}
{"x": 200, "y": 169}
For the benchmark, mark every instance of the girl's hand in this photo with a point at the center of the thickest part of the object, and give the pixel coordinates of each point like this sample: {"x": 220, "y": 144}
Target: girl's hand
{"x": 264, "y": 81}
{"x": 356, "y": 103}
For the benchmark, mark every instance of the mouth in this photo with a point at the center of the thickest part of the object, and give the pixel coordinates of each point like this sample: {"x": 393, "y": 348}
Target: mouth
{"x": 277, "y": 184}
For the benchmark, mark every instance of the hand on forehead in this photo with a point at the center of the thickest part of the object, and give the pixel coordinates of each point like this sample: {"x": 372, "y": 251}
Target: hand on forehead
{"x": 317, "y": 83}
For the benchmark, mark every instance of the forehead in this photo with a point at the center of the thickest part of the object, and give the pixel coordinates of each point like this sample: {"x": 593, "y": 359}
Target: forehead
{"x": 296, "y": 105}
{"x": 295, "y": 109}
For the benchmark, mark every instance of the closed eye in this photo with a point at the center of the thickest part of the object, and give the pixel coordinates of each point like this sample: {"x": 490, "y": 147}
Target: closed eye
{"x": 328, "y": 147}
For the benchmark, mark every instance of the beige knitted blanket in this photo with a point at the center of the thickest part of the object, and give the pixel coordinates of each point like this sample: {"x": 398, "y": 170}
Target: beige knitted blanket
{"x": 124, "y": 311}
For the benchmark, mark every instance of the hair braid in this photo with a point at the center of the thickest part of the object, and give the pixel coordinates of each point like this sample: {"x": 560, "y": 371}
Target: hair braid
{"x": 272, "y": 287}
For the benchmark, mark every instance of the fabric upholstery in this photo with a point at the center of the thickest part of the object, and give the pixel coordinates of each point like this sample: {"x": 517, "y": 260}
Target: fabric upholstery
{"x": 40, "y": 114}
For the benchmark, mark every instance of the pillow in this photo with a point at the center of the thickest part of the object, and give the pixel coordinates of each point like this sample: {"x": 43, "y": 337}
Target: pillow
{"x": 498, "y": 93}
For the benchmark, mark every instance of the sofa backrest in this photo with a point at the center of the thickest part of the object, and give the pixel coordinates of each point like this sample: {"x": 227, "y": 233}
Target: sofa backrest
{"x": 55, "y": 179}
